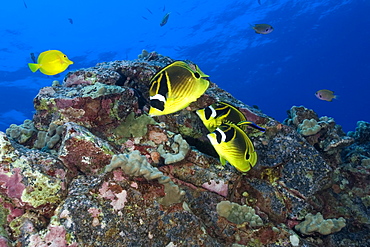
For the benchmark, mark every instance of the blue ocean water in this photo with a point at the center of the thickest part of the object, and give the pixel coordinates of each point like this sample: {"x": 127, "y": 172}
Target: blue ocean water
{"x": 315, "y": 45}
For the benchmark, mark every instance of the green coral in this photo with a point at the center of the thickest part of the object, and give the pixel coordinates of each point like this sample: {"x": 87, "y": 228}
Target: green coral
{"x": 316, "y": 223}
{"x": 238, "y": 214}
{"x": 48, "y": 139}
{"x": 21, "y": 133}
{"x": 309, "y": 127}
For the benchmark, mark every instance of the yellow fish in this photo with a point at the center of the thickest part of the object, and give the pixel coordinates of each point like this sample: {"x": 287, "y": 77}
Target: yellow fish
{"x": 174, "y": 87}
{"x": 51, "y": 62}
{"x": 219, "y": 112}
{"x": 233, "y": 145}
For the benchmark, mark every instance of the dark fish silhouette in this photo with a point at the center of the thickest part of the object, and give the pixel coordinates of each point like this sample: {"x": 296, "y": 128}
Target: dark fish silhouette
{"x": 164, "y": 8}
{"x": 70, "y": 20}
{"x": 33, "y": 58}
{"x": 149, "y": 11}
{"x": 165, "y": 19}
{"x": 25, "y": 5}
{"x": 144, "y": 17}
{"x": 259, "y": 1}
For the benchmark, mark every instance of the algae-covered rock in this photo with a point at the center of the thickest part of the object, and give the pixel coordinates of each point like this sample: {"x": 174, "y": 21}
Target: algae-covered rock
{"x": 133, "y": 127}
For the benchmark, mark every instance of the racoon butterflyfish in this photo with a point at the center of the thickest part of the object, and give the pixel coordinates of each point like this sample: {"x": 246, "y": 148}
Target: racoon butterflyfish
{"x": 219, "y": 112}
{"x": 175, "y": 86}
{"x": 51, "y": 63}
{"x": 233, "y": 145}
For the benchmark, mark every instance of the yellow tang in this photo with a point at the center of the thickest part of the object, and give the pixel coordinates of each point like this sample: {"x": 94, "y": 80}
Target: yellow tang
{"x": 51, "y": 62}
{"x": 174, "y": 87}
{"x": 219, "y": 112}
{"x": 233, "y": 145}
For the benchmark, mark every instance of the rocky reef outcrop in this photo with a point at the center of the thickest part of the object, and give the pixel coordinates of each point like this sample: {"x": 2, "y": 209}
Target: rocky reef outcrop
{"x": 93, "y": 169}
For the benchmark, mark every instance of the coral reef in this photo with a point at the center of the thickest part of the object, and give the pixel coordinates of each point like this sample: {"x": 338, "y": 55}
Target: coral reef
{"x": 322, "y": 133}
{"x": 93, "y": 169}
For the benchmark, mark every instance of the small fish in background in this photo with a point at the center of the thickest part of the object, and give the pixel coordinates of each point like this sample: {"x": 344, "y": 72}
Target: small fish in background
{"x": 165, "y": 19}
{"x": 263, "y": 28}
{"x": 149, "y": 11}
{"x": 70, "y": 20}
{"x": 164, "y": 8}
{"x": 259, "y": 1}
{"x": 33, "y": 58}
{"x": 51, "y": 62}
{"x": 326, "y": 95}
{"x": 25, "y": 5}
{"x": 144, "y": 18}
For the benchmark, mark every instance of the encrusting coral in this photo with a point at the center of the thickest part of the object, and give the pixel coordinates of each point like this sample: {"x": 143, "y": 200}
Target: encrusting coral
{"x": 135, "y": 164}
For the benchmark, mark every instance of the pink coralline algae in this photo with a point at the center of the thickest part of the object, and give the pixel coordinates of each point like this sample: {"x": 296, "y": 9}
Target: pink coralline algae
{"x": 216, "y": 186}
{"x": 13, "y": 183}
{"x": 55, "y": 237}
{"x": 108, "y": 191}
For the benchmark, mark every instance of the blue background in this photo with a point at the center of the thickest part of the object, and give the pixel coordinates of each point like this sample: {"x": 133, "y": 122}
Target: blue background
{"x": 315, "y": 45}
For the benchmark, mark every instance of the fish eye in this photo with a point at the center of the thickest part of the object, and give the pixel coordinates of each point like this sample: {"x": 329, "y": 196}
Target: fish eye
{"x": 197, "y": 75}
{"x": 64, "y": 56}
{"x": 267, "y": 30}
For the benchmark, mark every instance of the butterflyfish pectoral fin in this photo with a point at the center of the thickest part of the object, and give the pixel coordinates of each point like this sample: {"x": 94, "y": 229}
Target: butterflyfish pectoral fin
{"x": 223, "y": 161}
{"x": 251, "y": 124}
{"x": 34, "y": 66}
